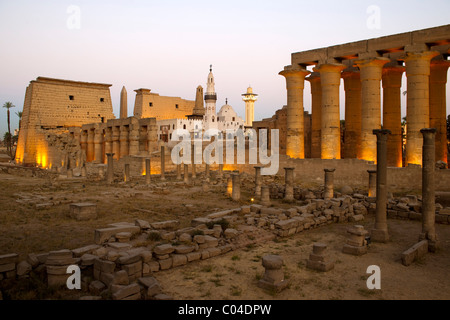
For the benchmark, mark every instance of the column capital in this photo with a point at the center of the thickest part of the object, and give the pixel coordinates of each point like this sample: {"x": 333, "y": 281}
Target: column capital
{"x": 372, "y": 171}
{"x": 372, "y": 62}
{"x": 381, "y": 132}
{"x": 350, "y": 72}
{"x": 440, "y": 63}
{"x": 313, "y": 77}
{"x": 428, "y": 130}
{"x": 329, "y": 170}
{"x": 291, "y": 71}
{"x": 329, "y": 67}
{"x": 420, "y": 55}
{"x": 295, "y": 77}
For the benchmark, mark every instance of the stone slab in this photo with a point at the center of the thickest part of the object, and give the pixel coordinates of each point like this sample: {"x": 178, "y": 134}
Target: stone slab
{"x": 103, "y": 235}
{"x": 415, "y": 252}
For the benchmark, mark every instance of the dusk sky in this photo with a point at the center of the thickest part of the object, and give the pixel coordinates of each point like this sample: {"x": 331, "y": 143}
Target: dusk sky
{"x": 167, "y": 46}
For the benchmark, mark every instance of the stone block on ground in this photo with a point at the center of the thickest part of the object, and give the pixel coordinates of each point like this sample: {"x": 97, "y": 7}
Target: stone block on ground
{"x": 123, "y": 236}
{"x": 9, "y": 258}
{"x": 415, "y": 252}
{"x": 163, "y": 249}
{"x": 23, "y": 268}
{"x": 102, "y": 235}
{"x": 125, "y": 292}
{"x": 144, "y": 225}
{"x": 96, "y": 287}
{"x": 83, "y": 250}
{"x": 166, "y": 225}
{"x": 151, "y": 285}
{"x": 83, "y": 211}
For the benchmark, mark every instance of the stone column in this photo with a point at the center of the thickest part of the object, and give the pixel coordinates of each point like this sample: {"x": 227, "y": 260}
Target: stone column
{"x": 380, "y": 232}
{"x": 186, "y": 173}
{"x": 329, "y": 184}
{"x": 418, "y": 102}
{"x": 69, "y": 173}
{"x": 372, "y": 183}
{"x": 110, "y": 168}
{"x": 330, "y": 135}
{"x": 98, "y": 145}
{"x": 163, "y": 163}
{"x": 148, "y": 171}
{"x": 428, "y": 193}
{"x": 220, "y": 174}
{"x": 438, "y": 105}
{"x": 371, "y": 70}
{"x": 124, "y": 138}
{"x": 108, "y": 141}
{"x": 178, "y": 171}
{"x": 116, "y": 142}
{"x": 126, "y": 175}
{"x": 295, "y": 144}
{"x": 265, "y": 196}
{"x": 134, "y": 139}
{"x": 83, "y": 171}
{"x": 392, "y": 119}
{"x": 258, "y": 181}
{"x": 194, "y": 171}
{"x": 236, "y": 187}
{"x": 83, "y": 141}
{"x": 90, "y": 154}
{"x": 353, "y": 106}
{"x": 289, "y": 184}
{"x": 152, "y": 138}
{"x": 316, "y": 113}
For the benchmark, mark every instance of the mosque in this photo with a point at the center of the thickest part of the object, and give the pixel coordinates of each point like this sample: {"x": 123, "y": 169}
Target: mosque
{"x": 204, "y": 116}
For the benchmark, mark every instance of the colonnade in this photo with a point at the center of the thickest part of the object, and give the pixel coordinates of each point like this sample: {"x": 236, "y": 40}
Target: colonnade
{"x": 426, "y": 74}
{"x": 122, "y": 137}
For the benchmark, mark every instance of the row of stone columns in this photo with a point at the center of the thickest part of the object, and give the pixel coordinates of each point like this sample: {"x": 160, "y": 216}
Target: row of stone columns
{"x": 426, "y": 106}
{"x": 120, "y": 140}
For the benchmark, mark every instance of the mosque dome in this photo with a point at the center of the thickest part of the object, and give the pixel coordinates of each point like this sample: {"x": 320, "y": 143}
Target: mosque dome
{"x": 226, "y": 113}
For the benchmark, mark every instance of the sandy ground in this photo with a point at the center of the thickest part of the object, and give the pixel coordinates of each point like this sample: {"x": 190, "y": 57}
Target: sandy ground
{"x": 24, "y": 229}
{"x": 235, "y": 275}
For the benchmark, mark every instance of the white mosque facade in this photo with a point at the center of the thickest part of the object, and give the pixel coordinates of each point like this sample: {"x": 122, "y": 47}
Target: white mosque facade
{"x": 224, "y": 121}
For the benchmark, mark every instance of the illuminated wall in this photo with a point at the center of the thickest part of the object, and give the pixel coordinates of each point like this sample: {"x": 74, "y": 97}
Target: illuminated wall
{"x": 51, "y": 105}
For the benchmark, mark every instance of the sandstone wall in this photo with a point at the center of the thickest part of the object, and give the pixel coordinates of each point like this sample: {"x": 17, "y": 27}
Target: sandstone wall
{"x": 152, "y": 105}
{"x": 53, "y": 104}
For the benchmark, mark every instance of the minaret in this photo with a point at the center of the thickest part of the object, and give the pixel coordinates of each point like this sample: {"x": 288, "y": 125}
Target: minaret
{"x": 199, "y": 110}
{"x": 210, "y": 99}
{"x": 249, "y": 99}
{"x": 123, "y": 104}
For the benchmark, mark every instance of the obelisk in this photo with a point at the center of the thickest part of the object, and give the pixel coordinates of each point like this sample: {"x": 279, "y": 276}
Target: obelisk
{"x": 123, "y": 104}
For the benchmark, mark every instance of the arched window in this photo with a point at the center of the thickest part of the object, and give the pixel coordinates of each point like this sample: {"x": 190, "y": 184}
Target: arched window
{"x": 184, "y": 126}
{"x": 212, "y": 119}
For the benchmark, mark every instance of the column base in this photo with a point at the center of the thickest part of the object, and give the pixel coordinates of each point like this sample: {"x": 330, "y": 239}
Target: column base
{"x": 354, "y": 250}
{"x": 277, "y": 287}
{"x": 265, "y": 203}
{"x": 433, "y": 245}
{"x": 377, "y": 235}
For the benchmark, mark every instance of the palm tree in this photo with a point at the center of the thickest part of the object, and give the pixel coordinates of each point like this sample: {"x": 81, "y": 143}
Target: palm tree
{"x": 19, "y": 114}
{"x": 8, "y": 105}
